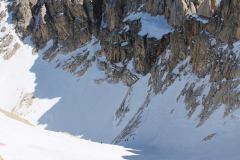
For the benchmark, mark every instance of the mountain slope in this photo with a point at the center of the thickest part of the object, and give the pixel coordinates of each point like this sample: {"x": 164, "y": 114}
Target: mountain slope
{"x": 158, "y": 76}
{"x": 19, "y": 141}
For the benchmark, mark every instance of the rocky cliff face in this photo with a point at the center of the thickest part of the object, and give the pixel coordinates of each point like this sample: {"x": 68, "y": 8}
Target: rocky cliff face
{"x": 197, "y": 37}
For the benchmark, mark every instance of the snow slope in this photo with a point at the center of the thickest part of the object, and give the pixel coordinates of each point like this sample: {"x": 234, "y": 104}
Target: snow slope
{"x": 59, "y": 101}
{"x": 156, "y": 125}
{"x": 152, "y": 26}
{"x": 19, "y": 141}
{"x": 16, "y": 78}
{"x": 166, "y": 132}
